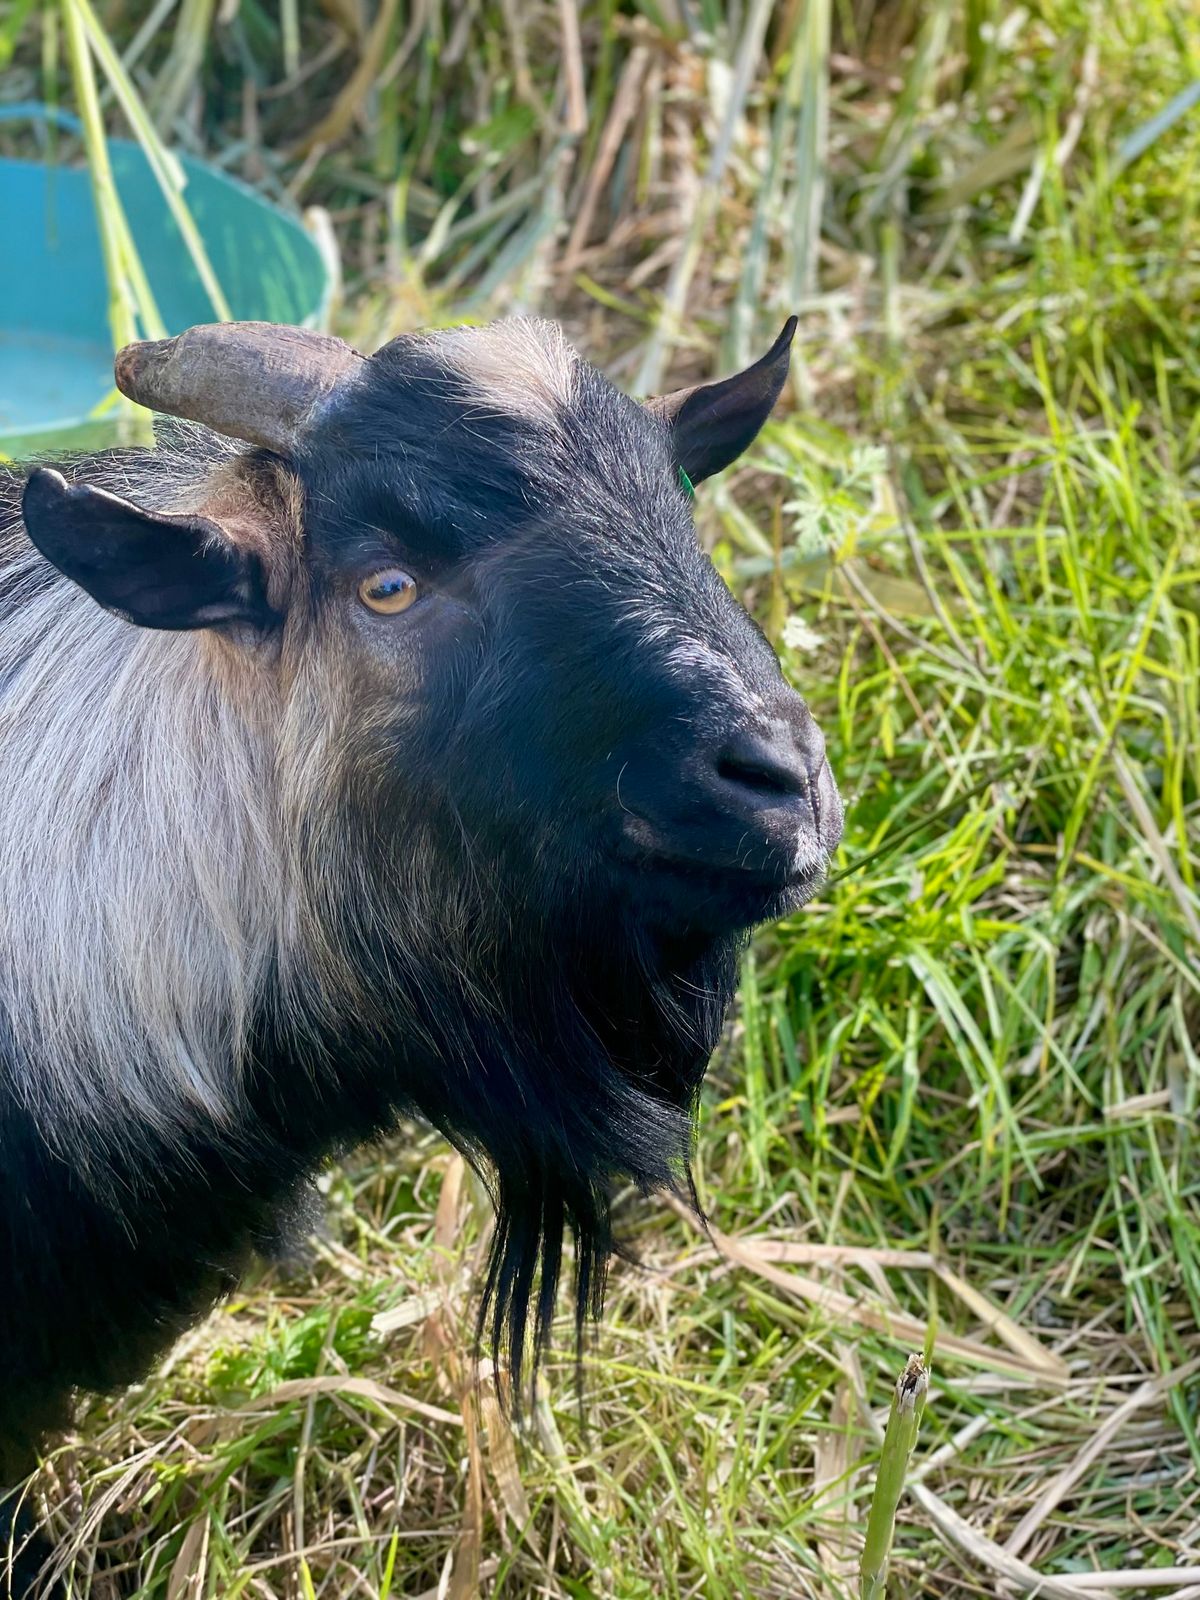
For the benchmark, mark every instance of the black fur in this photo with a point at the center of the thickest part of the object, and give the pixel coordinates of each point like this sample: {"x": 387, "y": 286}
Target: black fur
{"x": 553, "y": 1005}
{"x": 25, "y": 1554}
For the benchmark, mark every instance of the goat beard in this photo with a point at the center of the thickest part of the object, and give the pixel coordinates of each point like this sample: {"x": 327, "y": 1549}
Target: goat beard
{"x": 560, "y": 1045}
{"x": 608, "y": 1096}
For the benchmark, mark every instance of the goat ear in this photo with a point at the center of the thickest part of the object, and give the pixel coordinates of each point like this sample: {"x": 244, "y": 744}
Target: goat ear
{"x": 712, "y": 423}
{"x": 155, "y": 570}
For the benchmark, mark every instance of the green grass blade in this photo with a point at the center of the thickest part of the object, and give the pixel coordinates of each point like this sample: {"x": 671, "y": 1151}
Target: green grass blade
{"x": 899, "y": 1441}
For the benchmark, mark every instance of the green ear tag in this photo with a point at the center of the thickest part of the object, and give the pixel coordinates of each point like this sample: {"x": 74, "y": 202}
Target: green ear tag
{"x": 686, "y": 484}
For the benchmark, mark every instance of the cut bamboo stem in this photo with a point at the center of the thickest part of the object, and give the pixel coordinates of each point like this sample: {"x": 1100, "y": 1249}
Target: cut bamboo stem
{"x": 904, "y": 1422}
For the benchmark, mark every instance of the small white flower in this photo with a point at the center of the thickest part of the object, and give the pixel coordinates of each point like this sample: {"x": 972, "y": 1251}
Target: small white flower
{"x": 797, "y": 635}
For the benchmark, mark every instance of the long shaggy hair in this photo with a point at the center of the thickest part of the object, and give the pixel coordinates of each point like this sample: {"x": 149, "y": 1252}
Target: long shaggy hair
{"x": 139, "y": 849}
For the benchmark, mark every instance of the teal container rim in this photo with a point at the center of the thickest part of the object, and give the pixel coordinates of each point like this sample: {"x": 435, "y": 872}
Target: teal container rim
{"x": 44, "y": 113}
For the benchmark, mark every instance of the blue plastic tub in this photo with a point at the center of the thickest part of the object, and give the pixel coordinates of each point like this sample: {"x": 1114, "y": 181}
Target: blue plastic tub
{"x": 55, "y": 341}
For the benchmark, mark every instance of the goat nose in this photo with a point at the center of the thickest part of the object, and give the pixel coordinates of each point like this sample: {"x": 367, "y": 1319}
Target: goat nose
{"x": 756, "y": 803}
{"x": 772, "y": 765}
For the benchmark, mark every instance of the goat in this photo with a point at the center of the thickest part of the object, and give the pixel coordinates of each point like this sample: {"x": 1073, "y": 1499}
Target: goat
{"x": 382, "y": 742}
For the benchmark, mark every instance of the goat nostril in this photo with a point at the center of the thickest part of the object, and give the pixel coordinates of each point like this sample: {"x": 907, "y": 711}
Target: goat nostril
{"x": 765, "y": 768}
{"x": 763, "y": 777}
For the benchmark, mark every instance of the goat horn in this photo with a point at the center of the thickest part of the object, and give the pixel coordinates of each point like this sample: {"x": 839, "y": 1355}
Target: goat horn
{"x": 257, "y": 381}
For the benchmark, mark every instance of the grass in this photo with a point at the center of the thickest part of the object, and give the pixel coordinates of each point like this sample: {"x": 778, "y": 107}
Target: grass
{"x": 957, "y": 1104}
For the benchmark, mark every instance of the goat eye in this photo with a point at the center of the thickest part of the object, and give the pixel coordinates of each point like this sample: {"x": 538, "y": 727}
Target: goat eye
{"x": 388, "y": 592}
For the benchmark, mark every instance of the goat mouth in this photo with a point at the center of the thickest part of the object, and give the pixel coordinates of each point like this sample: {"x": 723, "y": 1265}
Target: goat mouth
{"x": 729, "y": 896}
